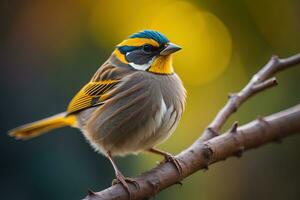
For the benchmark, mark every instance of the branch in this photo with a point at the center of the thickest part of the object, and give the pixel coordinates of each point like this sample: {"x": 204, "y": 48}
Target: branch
{"x": 200, "y": 155}
{"x": 212, "y": 147}
{"x": 262, "y": 80}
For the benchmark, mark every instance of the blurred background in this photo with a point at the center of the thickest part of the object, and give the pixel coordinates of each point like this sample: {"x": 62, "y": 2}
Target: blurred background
{"x": 50, "y": 48}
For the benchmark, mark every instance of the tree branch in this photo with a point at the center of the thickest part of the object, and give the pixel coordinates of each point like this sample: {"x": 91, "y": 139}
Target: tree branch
{"x": 260, "y": 81}
{"x": 212, "y": 147}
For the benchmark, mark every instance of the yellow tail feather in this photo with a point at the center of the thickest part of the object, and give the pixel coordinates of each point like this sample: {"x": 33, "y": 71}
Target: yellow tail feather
{"x": 37, "y": 128}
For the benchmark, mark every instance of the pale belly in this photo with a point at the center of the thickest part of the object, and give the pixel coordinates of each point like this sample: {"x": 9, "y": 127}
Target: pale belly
{"x": 157, "y": 129}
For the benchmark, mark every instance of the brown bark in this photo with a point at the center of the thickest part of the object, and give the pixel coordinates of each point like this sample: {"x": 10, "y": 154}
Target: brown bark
{"x": 212, "y": 147}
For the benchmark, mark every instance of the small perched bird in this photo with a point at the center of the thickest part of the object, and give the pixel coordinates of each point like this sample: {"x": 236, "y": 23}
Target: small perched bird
{"x": 133, "y": 102}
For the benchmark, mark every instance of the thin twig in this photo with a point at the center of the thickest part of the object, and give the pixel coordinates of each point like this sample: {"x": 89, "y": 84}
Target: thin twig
{"x": 212, "y": 147}
{"x": 260, "y": 81}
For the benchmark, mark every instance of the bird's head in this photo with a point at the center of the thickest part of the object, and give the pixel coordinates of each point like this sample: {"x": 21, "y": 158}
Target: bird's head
{"x": 147, "y": 50}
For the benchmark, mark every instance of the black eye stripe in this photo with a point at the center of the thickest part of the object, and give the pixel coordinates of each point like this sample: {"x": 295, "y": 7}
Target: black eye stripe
{"x": 139, "y": 54}
{"x": 138, "y": 57}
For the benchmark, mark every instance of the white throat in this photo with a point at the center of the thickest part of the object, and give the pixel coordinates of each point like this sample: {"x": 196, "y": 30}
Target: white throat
{"x": 142, "y": 67}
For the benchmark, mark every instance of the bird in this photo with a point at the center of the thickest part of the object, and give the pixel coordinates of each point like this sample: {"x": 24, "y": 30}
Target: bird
{"x": 132, "y": 103}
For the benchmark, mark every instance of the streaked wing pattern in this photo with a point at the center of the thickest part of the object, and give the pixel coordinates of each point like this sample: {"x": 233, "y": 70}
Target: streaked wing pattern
{"x": 90, "y": 95}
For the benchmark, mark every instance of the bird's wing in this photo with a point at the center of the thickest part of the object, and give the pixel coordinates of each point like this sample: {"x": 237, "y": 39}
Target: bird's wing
{"x": 90, "y": 95}
{"x": 94, "y": 92}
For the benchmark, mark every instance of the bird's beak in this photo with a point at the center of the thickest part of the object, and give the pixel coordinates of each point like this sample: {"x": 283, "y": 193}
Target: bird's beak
{"x": 169, "y": 49}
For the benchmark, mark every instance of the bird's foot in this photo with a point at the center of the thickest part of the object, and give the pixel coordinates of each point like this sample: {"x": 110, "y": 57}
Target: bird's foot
{"x": 170, "y": 158}
{"x": 124, "y": 182}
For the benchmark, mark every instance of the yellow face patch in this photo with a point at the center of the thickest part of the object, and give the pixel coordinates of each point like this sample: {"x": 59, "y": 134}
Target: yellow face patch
{"x": 135, "y": 42}
{"x": 138, "y": 42}
{"x": 120, "y": 56}
{"x": 162, "y": 65}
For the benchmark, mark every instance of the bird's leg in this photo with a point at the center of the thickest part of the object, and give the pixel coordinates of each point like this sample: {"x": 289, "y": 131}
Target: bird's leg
{"x": 120, "y": 178}
{"x": 168, "y": 158}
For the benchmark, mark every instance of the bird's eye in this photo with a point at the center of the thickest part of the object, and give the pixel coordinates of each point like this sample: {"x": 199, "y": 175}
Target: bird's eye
{"x": 147, "y": 48}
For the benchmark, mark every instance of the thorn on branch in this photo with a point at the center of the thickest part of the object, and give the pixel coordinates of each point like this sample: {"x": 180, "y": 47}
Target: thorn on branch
{"x": 234, "y": 127}
{"x": 275, "y": 58}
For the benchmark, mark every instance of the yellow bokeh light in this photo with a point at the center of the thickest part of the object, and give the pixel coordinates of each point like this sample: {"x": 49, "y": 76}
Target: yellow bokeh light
{"x": 111, "y": 22}
{"x": 205, "y": 40}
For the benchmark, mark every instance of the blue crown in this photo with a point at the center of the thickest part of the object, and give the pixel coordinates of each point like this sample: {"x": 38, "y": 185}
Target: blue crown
{"x": 150, "y": 34}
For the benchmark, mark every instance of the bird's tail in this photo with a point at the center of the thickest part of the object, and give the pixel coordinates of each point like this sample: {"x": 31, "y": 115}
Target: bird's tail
{"x": 37, "y": 128}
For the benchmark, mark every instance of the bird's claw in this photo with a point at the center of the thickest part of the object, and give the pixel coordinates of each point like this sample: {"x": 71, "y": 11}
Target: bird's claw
{"x": 124, "y": 181}
{"x": 175, "y": 161}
